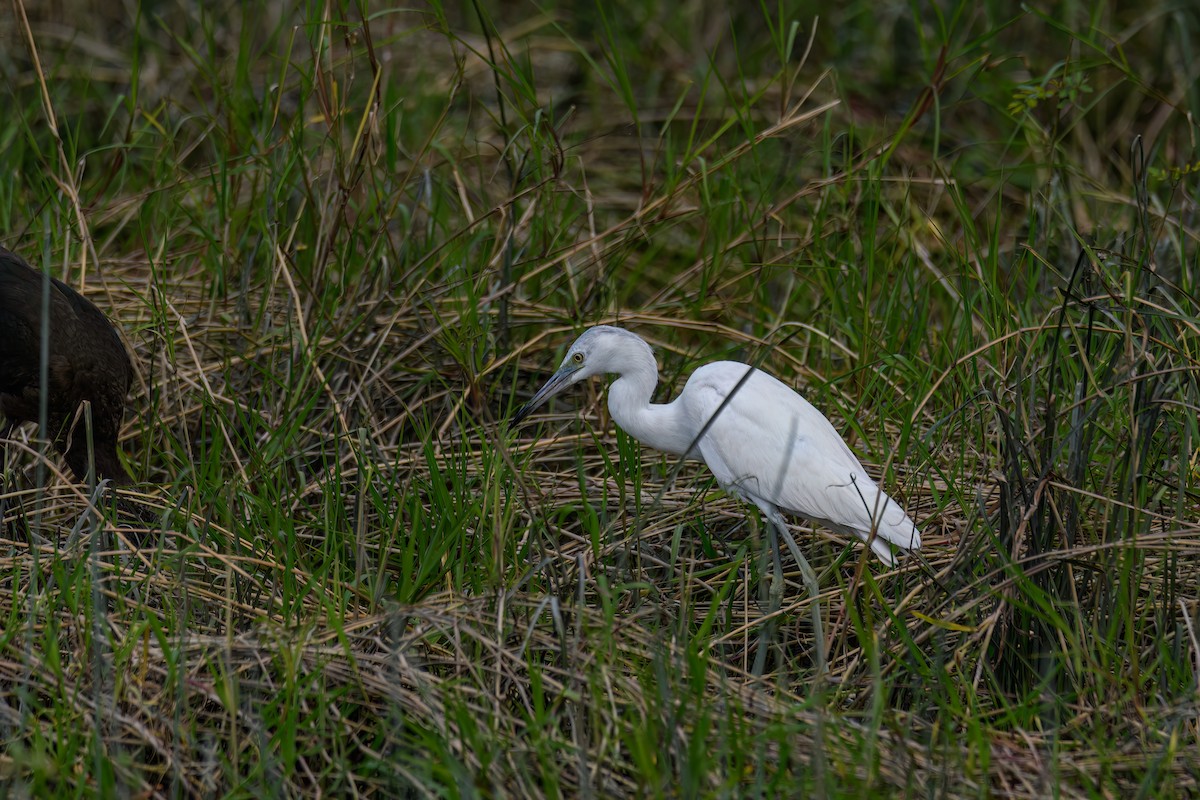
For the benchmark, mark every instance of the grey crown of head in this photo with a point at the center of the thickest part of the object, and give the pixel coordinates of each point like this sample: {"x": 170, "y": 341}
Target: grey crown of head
{"x": 593, "y": 336}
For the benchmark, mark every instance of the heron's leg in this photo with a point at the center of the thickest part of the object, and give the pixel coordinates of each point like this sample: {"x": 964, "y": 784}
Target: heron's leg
{"x": 810, "y": 581}
{"x": 776, "y": 593}
{"x": 766, "y": 637}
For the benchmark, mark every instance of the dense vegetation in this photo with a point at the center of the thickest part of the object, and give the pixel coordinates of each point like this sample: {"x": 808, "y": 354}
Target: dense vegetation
{"x": 344, "y": 240}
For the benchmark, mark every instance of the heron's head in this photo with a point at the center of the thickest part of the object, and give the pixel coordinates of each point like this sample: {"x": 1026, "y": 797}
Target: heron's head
{"x": 597, "y": 350}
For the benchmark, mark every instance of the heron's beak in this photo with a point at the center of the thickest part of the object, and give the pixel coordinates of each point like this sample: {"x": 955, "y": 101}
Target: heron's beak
{"x": 558, "y": 381}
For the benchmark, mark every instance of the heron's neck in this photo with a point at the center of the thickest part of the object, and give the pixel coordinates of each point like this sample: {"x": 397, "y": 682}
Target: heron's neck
{"x": 654, "y": 424}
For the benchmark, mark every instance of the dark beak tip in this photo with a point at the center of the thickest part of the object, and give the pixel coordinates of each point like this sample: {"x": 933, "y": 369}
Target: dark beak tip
{"x": 552, "y": 387}
{"x": 519, "y": 416}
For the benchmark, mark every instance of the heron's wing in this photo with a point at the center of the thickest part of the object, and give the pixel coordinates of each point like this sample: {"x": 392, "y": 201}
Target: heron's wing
{"x": 770, "y": 444}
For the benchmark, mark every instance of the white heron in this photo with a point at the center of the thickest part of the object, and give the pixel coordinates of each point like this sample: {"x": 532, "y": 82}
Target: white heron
{"x": 763, "y": 442}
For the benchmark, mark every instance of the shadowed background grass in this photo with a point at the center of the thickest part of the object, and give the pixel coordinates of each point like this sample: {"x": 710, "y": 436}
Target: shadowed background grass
{"x": 344, "y": 241}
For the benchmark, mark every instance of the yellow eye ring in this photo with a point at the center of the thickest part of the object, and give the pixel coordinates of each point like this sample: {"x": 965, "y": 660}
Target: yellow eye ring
{"x": 577, "y": 358}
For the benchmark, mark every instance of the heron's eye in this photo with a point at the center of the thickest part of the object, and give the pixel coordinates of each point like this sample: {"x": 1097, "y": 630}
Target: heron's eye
{"x": 577, "y": 358}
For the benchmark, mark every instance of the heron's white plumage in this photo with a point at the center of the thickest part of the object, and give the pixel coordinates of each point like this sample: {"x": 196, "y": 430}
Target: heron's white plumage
{"x": 768, "y": 444}
{"x": 771, "y": 446}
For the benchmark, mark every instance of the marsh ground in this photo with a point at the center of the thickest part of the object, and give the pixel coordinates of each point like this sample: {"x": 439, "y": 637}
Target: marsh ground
{"x": 345, "y": 240}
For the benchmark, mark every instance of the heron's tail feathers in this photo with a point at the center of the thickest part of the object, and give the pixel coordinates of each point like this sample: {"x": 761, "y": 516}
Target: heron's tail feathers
{"x": 893, "y": 528}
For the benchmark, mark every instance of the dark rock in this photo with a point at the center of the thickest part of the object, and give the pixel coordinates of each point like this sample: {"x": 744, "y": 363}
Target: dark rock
{"x": 87, "y": 361}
